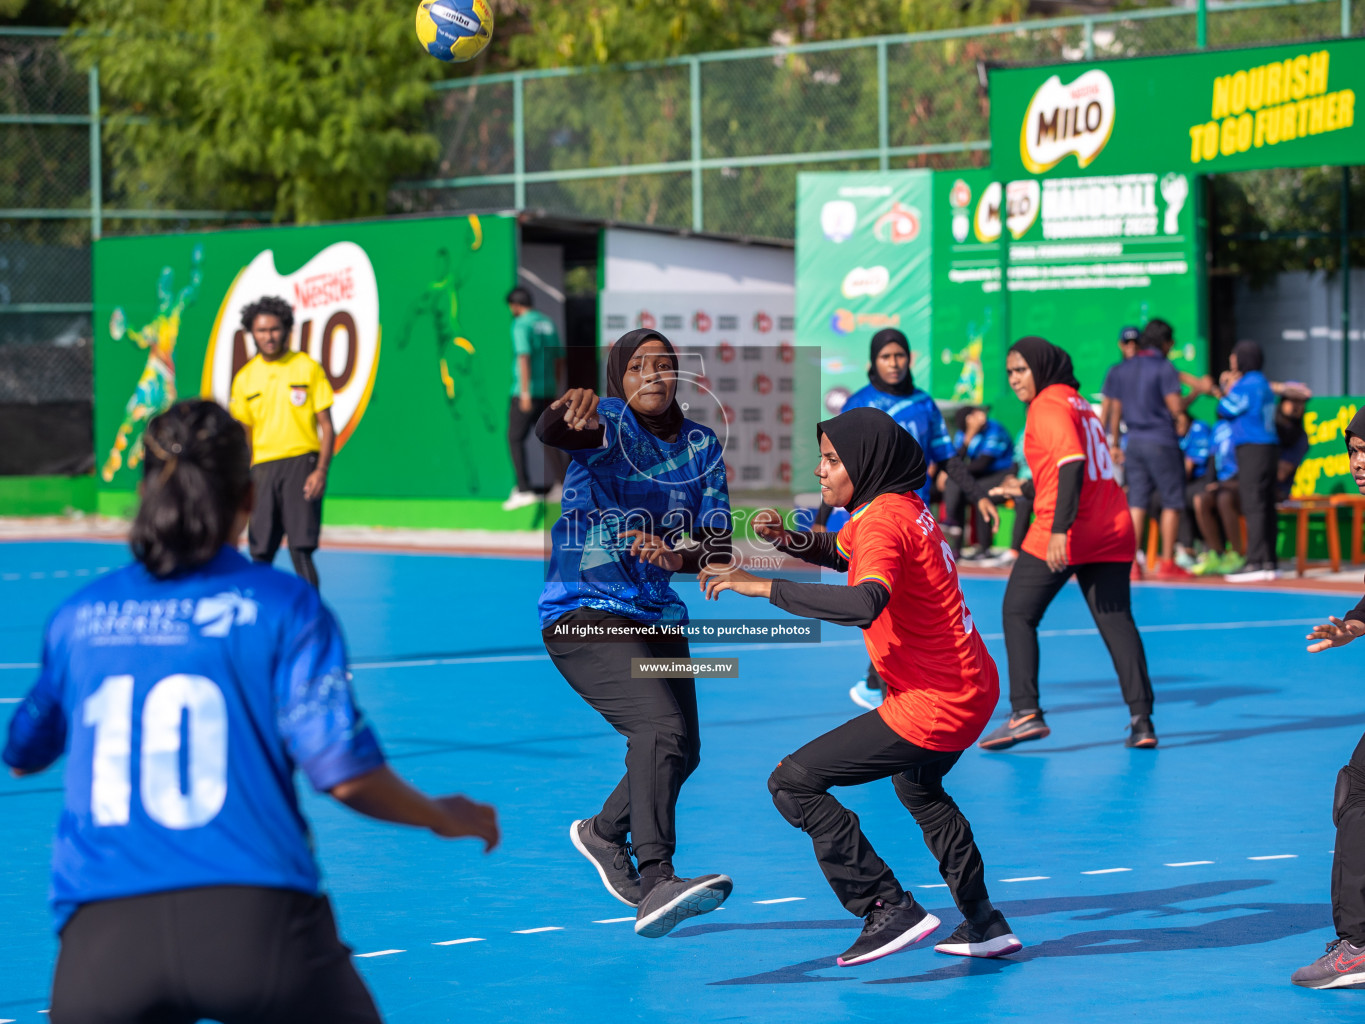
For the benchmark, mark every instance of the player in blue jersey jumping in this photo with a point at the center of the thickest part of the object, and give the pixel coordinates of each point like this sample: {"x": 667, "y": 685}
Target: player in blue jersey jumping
{"x": 891, "y": 388}
{"x": 640, "y": 477}
{"x": 185, "y": 690}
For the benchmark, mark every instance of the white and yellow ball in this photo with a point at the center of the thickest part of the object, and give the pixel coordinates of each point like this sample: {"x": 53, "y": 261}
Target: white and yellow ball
{"x": 454, "y": 30}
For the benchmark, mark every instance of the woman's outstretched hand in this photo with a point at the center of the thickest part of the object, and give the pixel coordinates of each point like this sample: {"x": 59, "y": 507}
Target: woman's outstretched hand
{"x": 580, "y": 408}
{"x": 714, "y": 579}
{"x": 1334, "y": 633}
{"x": 654, "y": 550}
{"x": 767, "y": 524}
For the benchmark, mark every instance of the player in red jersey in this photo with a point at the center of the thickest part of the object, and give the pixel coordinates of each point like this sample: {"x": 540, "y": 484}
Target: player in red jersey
{"x": 941, "y": 683}
{"x": 1082, "y": 528}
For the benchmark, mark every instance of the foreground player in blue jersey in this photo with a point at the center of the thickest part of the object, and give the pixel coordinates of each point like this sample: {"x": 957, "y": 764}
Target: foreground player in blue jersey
{"x": 640, "y": 476}
{"x": 185, "y": 690}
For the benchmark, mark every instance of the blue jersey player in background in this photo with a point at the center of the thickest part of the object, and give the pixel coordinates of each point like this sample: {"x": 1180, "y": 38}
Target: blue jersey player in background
{"x": 185, "y": 690}
{"x": 891, "y": 388}
{"x": 640, "y": 477}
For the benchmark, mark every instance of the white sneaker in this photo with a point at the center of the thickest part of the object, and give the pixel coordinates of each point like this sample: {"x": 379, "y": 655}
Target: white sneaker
{"x": 1001, "y": 561}
{"x": 519, "y": 499}
{"x": 1252, "y": 574}
{"x": 864, "y": 696}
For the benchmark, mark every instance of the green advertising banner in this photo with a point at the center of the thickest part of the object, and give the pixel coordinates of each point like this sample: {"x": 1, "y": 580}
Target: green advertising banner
{"x": 969, "y": 308}
{"x": 863, "y": 247}
{"x": 1326, "y": 469}
{"x": 407, "y": 318}
{"x": 1077, "y": 272}
{"x": 1211, "y": 112}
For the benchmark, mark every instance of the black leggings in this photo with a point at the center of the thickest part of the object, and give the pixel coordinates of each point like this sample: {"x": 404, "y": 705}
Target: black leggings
{"x": 658, "y": 718}
{"x": 956, "y": 506}
{"x": 860, "y": 751}
{"x": 1348, "y": 859}
{"x": 519, "y": 427}
{"x": 1032, "y": 587}
{"x": 1257, "y": 465}
{"x": 236, "y": 954}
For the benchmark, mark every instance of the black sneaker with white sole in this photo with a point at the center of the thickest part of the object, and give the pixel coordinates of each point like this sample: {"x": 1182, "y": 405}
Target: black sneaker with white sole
{"x": 613, "y": 861}
{"x": 673, "y": 900}
{"x": 991, "y": 937}
{"x": 888, "y": 928}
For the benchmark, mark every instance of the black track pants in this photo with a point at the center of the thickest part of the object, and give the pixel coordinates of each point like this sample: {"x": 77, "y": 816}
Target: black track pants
{"x": 864, "y": 750}
{"x": 1032, "y": 587}
{"x": 658, "y": 718}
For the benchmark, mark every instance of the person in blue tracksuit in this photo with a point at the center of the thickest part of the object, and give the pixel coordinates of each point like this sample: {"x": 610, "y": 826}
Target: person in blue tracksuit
{"x": 1248, "y": 405}
{"x": 988, "y": 450}
{"x": 186, "y": 690}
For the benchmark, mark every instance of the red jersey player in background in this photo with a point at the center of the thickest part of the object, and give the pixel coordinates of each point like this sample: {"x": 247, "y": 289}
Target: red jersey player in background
{"x": 1082, "y": 528}
{"x": 941, "y": 684}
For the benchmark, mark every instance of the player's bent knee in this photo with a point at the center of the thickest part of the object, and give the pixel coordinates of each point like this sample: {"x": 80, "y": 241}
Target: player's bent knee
{"x": 789, "y": 784}
{"x": 1349, "y": 797}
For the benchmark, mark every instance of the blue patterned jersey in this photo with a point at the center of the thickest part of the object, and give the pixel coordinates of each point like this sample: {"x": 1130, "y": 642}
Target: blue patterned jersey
{"x": 635, "y": 481}
{"x": 184, "y": 706}
{"x": 1249, "y": 406}
{"x": 993, "y": 440}
{"x": 1224, "y": 445}
{"x": 915, "y": 412}
{"x": 1197, "y": 444}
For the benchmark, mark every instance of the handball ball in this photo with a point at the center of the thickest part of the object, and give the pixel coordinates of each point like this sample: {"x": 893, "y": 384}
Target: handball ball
{"x": 454, "y": 30}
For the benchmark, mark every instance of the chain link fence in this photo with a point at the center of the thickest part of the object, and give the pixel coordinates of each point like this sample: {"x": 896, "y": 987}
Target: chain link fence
{"x": 714, "y": 142}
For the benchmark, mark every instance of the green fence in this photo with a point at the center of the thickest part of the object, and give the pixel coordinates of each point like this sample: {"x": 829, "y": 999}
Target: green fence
{"x": 714, "y": 142}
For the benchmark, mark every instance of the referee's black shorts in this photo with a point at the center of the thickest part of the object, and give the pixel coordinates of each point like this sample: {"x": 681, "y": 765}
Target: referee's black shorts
{"x": 234, "y": 954}
{"x": 281, "y": 509}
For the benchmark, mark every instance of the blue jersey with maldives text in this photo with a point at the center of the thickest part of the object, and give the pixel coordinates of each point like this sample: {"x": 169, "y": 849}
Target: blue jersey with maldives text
{"x": 635, "y": 481}
{"x": 1224, "y": 451}
{"x": 1197, "y": 444}
{"x": 1249, "y": 406}
{"x": 993, "y": 440}
{"x": 184, "y": 706}
{"x": 916, "y": 413}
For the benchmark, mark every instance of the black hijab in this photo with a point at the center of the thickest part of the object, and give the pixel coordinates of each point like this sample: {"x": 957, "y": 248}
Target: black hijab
{"x": 881, "y": 457}
{"x": 1249, "y": 356}
{"x": 664, "y": 425}
{"x": 1356, "y": 428}
{"x": 1049, "y": 363}
{"x": 890, "y": 336}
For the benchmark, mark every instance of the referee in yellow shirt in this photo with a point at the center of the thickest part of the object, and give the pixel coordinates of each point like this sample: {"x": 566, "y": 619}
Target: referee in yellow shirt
{"x": 284, "y": 400}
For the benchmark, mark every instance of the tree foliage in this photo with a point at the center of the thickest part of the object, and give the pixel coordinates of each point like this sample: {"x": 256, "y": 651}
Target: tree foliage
{"x": 555, "y": 33}
{"x": 303, "y": 109}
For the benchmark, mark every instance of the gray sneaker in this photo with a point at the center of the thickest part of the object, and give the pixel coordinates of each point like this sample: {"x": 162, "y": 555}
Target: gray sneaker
{"x": 614, "y": 863}
{"x": 673, "y": 900}
{"x": 1343, "y": 964}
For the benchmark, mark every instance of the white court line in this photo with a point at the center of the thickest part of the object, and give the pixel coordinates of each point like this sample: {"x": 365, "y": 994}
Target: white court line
{"x": 60, "y": 574}
{"x": 784, "y": 899}
{"x": 20, "y": 664}
{"x": 13, "y": 576}
{"x": 1188, "y": 863}
{"x": 1275, "y": 856}
{"x": 37, "y": 575}
{"x": 455, "y": 942}
{"x": 1105, "y": 871}
{"x": 382, "y": 952}
{"x": 938, "y": 885}
{"x": 534, "y": 931}
{"x": 11, "y": 700}
{"x": 1027, "y": 878}
{"x": 737, "y": 649}
{"x": 613, "y": 920}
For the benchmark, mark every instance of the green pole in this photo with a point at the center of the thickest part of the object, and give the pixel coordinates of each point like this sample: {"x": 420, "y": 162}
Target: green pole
{"x": 1345, "y": 280}
{"x": 96, "y": 173}
{"x": 883, "y": 110}
{"x": 518, "y": 146}
{"x": 1201, "y": 22}
{"x": 694, "y": 99}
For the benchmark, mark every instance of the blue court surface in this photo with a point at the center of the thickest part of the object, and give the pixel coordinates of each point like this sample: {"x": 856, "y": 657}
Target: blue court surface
{"x": 1181, "y": 884}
